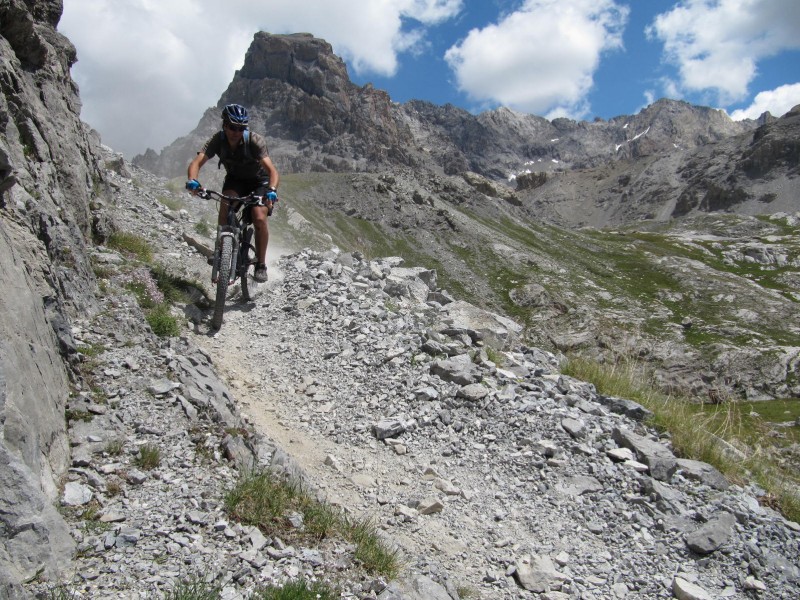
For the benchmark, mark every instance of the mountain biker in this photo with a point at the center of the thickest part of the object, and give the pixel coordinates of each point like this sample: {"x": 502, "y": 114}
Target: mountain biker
{"x": 246, "y": 170}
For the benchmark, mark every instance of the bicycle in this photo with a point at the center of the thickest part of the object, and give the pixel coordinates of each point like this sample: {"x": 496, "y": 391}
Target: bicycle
{"x": 229, "y": 264}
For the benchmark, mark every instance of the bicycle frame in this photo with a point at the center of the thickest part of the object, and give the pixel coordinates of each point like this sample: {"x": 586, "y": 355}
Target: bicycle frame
{"x": 233, "y": 244}
{"x": 237, "y": 207}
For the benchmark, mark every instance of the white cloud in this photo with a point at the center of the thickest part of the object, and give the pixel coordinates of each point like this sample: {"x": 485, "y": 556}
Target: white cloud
{"x": 147, "y": 69}
{"x": 778, "y": 102}
{"x": 541, "y": 58}
{"x": 717, "y": 44}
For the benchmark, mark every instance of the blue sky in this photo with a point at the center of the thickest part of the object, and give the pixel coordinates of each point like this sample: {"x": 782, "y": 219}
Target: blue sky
{"x": 147, "y": 69}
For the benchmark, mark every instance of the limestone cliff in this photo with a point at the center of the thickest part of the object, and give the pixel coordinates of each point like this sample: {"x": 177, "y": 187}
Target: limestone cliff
{"x": 299, "y": 94}
{"x": 48, "y": 178}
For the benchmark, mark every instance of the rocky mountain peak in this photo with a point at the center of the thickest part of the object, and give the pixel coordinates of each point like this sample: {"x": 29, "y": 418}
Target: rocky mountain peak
{"x": 300, "y": 96}
{"x": 680, "y": 124}
{"x": 299, "y": 60}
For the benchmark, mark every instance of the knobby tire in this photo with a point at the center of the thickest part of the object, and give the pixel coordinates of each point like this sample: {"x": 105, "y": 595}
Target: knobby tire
{"x": 223, "y": 277}
{"x": 247, "y": 258}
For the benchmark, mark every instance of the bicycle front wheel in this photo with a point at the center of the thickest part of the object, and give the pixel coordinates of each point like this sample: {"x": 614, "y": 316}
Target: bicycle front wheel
{"x": 247, "y": 258}
{"x": 223, "y": 278}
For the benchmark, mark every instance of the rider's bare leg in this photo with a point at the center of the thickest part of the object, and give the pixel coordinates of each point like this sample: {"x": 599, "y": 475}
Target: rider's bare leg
{"x": 261, "y": 228}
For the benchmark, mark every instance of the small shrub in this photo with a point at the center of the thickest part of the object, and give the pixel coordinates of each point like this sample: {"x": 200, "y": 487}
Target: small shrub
{"x": 162, "y": 321}
{"x": 114, "y": 447}
{"x": 149, "y": 457}
{"x": 203, "y": 228}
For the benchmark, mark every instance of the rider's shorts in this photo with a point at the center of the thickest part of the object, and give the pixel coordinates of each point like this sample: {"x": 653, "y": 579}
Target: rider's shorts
{"x": 243, "y": 187}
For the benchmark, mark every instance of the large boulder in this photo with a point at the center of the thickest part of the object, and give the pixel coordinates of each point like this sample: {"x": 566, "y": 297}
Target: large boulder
{"x": 493, "y": 329}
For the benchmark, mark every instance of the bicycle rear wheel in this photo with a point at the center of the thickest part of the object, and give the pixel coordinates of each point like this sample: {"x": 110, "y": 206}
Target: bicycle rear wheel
{"x": 223, "y": 278}
{"x": 247, "y": 258}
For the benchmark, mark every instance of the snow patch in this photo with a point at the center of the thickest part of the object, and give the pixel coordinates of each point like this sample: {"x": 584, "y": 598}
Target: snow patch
{"x": 636, "y": 137}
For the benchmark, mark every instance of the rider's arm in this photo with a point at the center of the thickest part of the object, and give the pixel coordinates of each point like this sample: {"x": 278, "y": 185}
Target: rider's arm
{"x": 195, "y": 165}
{"x": 274, "y": 178}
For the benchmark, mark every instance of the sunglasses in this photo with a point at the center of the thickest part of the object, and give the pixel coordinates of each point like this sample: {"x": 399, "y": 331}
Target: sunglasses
{"x": 236, "y": 127}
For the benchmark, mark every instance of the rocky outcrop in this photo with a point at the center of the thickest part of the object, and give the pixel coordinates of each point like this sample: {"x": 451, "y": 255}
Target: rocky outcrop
{"x": 300, "y": 96}
{"x": 49, "y": 184}
{"x": 711, "y": 168}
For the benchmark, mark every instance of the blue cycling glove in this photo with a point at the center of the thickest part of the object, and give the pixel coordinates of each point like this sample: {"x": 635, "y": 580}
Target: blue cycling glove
{"x": 192, "y": 185}
{"x": 272, "y": 196}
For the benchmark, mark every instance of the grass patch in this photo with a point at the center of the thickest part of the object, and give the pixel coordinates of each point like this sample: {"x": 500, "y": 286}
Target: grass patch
{"x": 297, "y": 590}
{"x": 162, "y": 321}
{"x": 495, "y": 356}
{"x": 171, "y": 203}
{"x": 464, "y": 592}
{"x": 149, "y": 457}
{"x": 156, "y": 291}
{"x": 194, "y": 589}
{"x": 114, "y": 447}
{"x": 72, "y": 414}
{"x": 92, "y": 350}
{"x": 265, "y": 500}
{"x": 102, "y": 271}
{"x": 61, "y": 592}
{"x": 203, "y": 227}
{"x": 132, "y": 245}
{"x": 705, "y": 432}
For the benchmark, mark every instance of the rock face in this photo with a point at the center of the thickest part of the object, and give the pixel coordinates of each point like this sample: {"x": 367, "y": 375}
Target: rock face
{"x": 48, "y": 173}
{"x": 299, "y": 93}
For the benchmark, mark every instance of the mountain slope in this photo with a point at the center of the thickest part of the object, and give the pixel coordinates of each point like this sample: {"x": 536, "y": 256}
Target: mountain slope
{"x": 434, "y": 184}
{"x": 710, "y": 301}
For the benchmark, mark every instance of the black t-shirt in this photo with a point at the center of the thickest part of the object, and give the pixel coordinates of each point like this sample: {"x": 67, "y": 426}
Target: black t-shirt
{"x": 235, "y": 161}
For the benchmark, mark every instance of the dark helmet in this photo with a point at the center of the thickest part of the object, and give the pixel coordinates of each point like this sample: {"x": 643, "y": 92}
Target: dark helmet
{"x": 235, "y": 114}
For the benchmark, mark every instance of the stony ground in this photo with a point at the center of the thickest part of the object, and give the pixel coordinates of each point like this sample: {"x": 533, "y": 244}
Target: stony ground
{"x": 495, "y": 476}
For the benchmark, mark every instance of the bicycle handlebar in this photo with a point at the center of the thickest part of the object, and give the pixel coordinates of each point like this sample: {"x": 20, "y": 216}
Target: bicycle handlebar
{"x": 251, "y": 198}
